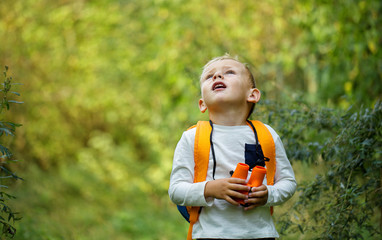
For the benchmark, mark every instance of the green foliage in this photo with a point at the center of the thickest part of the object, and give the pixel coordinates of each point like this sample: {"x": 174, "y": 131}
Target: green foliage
{"x": 340, "y": 50}
{"x": 112, "y": 85}
{"x": 7, "y": 215}
{"x": 80, "y": 205}
{"x": 95, "y": 66}
{"x": 341, "y": 202}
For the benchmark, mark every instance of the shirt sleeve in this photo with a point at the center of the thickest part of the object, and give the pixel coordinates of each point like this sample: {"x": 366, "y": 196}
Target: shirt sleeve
{"x": 183, "y": 191}
{"x": 285, "y": 183}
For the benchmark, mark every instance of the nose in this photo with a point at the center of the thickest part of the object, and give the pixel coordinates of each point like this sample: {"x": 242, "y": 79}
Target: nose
{"x": 217, "y": 75}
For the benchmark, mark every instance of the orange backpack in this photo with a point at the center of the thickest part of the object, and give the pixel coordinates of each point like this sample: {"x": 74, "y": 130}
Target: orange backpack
{"x": 201, "y": 157}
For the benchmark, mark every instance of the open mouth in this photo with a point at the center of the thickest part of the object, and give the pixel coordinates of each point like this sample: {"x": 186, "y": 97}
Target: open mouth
{"x": 218, "y": 86}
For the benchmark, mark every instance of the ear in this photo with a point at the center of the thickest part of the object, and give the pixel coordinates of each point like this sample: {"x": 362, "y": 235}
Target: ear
{"x": 202, "y": 105}
{"x": 254, "y": 95}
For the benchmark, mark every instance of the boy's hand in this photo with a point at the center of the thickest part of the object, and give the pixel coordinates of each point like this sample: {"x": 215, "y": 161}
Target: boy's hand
{"x": 227, "y": 189}
{"x": 257, "y": 197}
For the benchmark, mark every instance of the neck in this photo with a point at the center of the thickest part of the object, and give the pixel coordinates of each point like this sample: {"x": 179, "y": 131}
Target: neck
{"x": 228, "y": 118}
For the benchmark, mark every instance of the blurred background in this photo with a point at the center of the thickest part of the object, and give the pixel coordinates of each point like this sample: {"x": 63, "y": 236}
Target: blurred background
{"x": 109, "y": 86}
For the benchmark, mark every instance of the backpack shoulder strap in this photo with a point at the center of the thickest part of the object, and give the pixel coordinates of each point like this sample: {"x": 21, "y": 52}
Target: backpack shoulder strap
{"x": 268, "y": 146}
{"x": 201, "y": 150}
{"x": 269, "y": 150}
{"x": 201, "y": 158}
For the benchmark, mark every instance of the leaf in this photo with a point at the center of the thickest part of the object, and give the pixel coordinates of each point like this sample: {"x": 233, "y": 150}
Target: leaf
{"x": 7, "y": 132}
{"x": 13, "y": 125}
{"x": 5, "y": 151}
{"x": 300, "y": 228}
{"x": 13, "y": 101}
{"x": 4, "y": 177}
{"x": 11, "y": 173}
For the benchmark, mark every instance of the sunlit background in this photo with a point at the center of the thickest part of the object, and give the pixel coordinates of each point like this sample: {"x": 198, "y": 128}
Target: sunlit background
{"x": 109, "y": 86}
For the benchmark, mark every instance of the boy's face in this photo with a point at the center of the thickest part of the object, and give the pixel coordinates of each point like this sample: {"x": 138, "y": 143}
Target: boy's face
{"x": 226, "y": 83}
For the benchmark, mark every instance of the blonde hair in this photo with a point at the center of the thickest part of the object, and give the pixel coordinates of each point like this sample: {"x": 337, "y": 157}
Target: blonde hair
{"x": 235, "y": 58}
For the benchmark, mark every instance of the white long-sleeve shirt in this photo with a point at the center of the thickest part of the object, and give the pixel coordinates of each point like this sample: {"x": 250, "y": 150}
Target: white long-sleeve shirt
{"x": 218, "y": 218}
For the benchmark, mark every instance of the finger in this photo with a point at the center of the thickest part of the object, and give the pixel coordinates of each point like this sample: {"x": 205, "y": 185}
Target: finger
{"x": 233, "y": 202}
{"x": 237, "y": 180}
{"x": 260, "y": 194}
{"x": 254, "y": 201}
{"x": 259, "y": 188}
{"x": 235, "y": 194}
{"x": 239, "y": 187}
{"x": 249, "y": 207}
{"x": 258, "y": 197}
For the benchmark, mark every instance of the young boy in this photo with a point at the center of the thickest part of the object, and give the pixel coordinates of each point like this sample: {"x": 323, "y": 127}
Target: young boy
{"x": 229, "y": 95}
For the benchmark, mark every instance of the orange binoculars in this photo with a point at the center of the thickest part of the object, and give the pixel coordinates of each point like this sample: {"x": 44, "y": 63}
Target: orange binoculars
{"x": 255, "y": 180}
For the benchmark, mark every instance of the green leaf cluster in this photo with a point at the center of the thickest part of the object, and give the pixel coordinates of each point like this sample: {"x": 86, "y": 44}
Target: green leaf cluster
{"x": 341, "y": 202}
{"x": 7, "y": 215}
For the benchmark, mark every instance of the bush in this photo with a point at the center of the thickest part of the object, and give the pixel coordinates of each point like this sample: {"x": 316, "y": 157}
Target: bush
{"x": 340, "y": 203}
{"x": 7, "y": 215}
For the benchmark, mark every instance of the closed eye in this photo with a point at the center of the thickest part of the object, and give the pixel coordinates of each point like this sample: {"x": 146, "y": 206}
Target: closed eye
{"x": 230, "y": 72}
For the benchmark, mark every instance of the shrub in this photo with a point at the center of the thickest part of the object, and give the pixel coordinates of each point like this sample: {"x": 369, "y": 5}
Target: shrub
{"x": 7, "y": 129}
{"x": 340, "y": 203}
